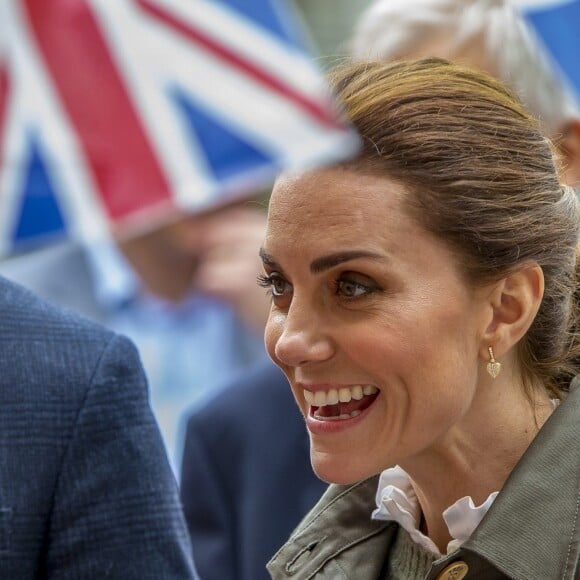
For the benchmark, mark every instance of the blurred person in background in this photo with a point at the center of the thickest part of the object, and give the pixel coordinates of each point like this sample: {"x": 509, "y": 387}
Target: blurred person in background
{"x": 246, "y": 478}
{"x": 185, "y": 293}
{"x": 490, "y": 35}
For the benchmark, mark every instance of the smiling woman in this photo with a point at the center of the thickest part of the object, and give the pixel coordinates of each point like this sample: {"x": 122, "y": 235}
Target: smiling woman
{"x": 423, "y": 306}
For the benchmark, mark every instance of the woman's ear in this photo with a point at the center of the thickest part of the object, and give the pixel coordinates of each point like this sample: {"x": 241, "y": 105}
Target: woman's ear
{"x": 515, "y": 301}
{"x": 570, "y": 148}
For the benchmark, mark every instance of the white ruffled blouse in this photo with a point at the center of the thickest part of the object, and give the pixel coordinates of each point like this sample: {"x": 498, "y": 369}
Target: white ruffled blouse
{"x": 396, "y": 501}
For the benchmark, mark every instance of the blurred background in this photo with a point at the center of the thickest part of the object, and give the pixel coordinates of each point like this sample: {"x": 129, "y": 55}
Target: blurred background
{"x": 330, "y": 24}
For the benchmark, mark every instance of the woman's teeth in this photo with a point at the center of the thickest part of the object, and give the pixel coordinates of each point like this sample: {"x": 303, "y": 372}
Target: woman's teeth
{"x": 340, "y": 417}
{"x": 335, "y": 396}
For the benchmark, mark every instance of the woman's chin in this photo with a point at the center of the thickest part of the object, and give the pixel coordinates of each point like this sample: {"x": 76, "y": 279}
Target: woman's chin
{"x": 332, "y": 470}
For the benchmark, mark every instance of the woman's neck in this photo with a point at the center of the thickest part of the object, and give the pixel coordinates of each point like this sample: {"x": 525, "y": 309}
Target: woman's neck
{"x": 476, "y": 457}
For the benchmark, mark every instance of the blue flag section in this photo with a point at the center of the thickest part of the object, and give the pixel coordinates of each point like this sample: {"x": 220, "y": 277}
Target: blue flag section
{"x": 226, "y": 153}
{"x": 39, "y": 213}
{"x": 557, "y": 23}
{"x": 272, "y": 15}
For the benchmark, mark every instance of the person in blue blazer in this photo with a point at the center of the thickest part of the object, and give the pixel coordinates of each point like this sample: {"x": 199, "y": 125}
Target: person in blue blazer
{"x": 86, "y": 490}
{"x": 246, "y": 478}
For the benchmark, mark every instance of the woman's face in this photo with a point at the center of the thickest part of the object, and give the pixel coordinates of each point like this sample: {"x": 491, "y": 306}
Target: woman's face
{"x": 370, "y": 321}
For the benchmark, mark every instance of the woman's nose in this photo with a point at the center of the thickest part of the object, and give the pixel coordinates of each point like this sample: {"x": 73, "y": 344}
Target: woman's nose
{"x": 302, "y": 340}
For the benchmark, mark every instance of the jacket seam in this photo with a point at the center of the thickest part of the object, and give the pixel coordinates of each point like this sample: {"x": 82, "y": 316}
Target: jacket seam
{"x": 342, "y": 569}
{"x": 569, "y": 552}
{"x": 308, "y": 548}
{"x": 81, "y": 408}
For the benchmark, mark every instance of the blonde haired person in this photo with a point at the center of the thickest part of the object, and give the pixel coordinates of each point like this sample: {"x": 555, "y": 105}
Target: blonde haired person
{"x": 424, "y": 307}
{"x": 490, "y": 35}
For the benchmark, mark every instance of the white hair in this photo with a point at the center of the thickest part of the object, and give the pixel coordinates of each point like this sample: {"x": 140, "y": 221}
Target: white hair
{"x": 454, "y": 29}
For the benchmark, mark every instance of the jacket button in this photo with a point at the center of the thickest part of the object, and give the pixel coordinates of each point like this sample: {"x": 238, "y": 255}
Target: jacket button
{"x": 455, "y": 571}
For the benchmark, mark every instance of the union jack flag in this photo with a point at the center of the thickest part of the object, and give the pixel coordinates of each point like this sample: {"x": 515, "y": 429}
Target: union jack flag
{"x": 120, "y": 113}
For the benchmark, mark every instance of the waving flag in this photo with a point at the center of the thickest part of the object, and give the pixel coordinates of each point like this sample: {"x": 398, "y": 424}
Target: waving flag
{"x": 557, "y": 23}
{"x": 117, "y": 114}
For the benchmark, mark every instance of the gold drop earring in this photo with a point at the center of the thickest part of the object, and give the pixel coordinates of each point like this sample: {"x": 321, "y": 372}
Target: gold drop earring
{"x": 493, "y": 367}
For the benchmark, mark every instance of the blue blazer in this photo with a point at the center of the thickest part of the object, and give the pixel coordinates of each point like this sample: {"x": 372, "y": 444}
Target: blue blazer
{"x": 85, "y": 487}
{"x": 246, "y": 477}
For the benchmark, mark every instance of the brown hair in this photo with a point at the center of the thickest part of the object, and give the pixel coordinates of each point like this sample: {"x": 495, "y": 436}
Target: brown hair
{"x": 480, "y": 176}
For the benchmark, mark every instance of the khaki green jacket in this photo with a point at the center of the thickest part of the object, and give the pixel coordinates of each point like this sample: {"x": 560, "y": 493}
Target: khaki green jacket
{"x": 531, "y": 532}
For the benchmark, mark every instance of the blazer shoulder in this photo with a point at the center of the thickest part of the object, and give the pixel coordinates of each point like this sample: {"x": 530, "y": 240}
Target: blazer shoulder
{"x": 53, "y": 351}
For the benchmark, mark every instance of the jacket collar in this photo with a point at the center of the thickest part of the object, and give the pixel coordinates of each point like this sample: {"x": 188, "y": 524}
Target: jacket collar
{"x": 533, "y": 528}
{"x": 341, "y": 519}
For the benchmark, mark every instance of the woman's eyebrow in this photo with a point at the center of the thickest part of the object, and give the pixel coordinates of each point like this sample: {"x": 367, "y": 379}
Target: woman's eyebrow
{"x": 267, "y": 259}
{"x": 327, "y": 262}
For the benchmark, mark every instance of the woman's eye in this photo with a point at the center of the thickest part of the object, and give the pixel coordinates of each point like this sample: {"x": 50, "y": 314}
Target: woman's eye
{"x": 279, "y": 286}
{"x": 349, "y": 288}
{"x": 275, "y": 283}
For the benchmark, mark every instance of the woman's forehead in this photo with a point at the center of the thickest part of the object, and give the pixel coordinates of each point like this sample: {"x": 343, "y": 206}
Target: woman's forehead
{"x": 336, "y": 210}
{"x": 333, "y": 190}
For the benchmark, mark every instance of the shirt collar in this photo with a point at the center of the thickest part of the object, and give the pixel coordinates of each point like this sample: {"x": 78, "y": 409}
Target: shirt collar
{"x": 115, "y": 282}
{"x": 117, "y": 286}
{"x": 396, "y": 501}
